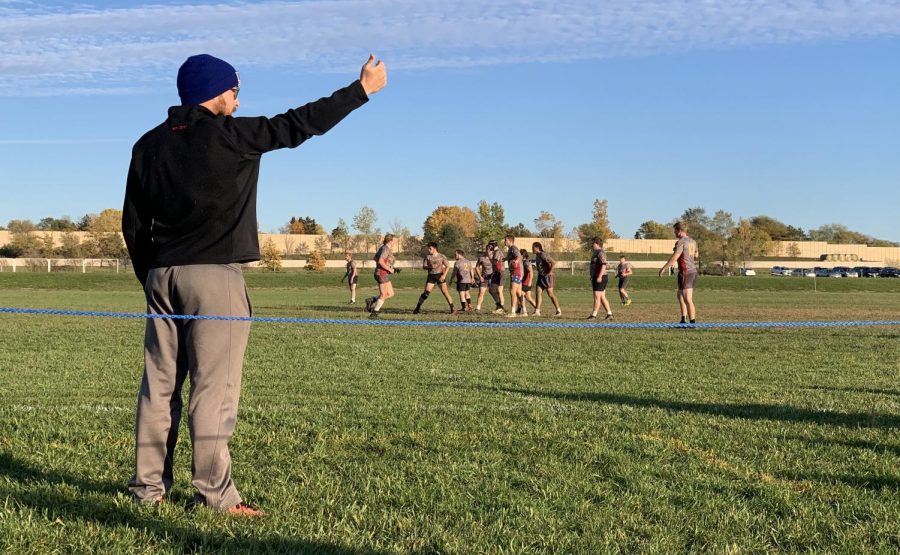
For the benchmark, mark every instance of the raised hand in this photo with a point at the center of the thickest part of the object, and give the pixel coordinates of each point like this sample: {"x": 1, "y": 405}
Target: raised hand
{"x": 373, "y": 75}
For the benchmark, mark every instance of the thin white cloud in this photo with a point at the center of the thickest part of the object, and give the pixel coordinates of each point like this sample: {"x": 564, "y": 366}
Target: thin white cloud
{"x": 41, "y": 142}
{"x": 120, "y": 50}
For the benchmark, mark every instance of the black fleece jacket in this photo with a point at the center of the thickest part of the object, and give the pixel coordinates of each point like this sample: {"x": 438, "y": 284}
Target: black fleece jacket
{"x": 191, "y": 191}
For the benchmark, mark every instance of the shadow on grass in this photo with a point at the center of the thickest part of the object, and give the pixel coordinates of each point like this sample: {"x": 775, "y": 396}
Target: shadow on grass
{"x": 750, "y": 411}
{"x": 86, "y": 508}
{"x": 855, "y": 390}
{"x": 872, "y": 483}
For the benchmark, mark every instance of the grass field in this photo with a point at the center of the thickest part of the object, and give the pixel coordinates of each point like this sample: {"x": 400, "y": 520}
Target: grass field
{"x": 359, "y": 439}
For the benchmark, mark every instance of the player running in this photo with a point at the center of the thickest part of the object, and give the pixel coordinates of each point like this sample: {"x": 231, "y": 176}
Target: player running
{"x": 685, "y": 255}
{"x": 464, "y": 274}
{"x": 351, "y": 275}
{"x": 514, "y": 260}
{"x": 384, "y": 267}
{"x": 437, "y": 266}
{"x": 623, "y": 272}
{"x": 599, "y": 279}
{"x": 545, "y": 280}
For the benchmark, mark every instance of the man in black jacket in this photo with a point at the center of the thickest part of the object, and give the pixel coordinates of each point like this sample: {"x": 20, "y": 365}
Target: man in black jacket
{"x": 189, "y": 220}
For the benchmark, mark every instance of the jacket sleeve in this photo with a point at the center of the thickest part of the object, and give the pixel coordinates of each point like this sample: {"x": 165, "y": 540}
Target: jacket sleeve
{"x": 288, "y": 130}
{"x": 136, "y": 221}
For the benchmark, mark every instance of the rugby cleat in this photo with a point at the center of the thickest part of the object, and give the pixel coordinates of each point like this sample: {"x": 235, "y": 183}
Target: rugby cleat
{"x": 243, "y": 509}
{"x": 499, "y": 311}
{"x": 369, "y": 302}
{"x": 608, "y": 317}
{"x": 627, "y": 302}
{"x": 536, "y": 312}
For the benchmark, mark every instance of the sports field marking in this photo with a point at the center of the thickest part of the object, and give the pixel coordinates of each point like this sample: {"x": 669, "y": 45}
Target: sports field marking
{"x": 711, "y": 459}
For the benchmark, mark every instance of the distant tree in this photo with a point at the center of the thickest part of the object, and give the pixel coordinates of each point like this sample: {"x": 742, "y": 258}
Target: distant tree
{"x": 21, "y": 226}
{"x": 84, "y": 224}
{"x": 449, "y": 238}
{"x": 104, "y": 245}
{"x": 838, "y": 233}
{"x": 597, "y": 227}
{"x": 108, "y": 221}
{"x": 548, "y": 226}
{"x": 793, "y": 250}
{"x": 748, "y": 241}
{"x": 270, "y": 256}
{"x": 462, "y": 216}
{"x": 45, "y": 247}
{"x": 402, "y": 233}
{"x": 70, "y": 245}
{"x": 293, "y": 227}
{"x": 716, "y": 238}
{"x": 519, "y": 230}
{"x": 364, "y": 223}
{"x": 695, "y": 217}
{"x": 57, "y": 224}
{"x": 315, "y": 262}
{"x": 341, "y": 236}
{"x": 491, "y": 222}
{"x": 653, "y": 230}
{"x": 22, "y": 241}
{"x": 777, "y": 230}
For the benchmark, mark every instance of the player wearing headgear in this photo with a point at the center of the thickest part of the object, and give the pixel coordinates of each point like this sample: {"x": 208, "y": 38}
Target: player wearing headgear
{"x": 437, "y": 266}
{"x": 351, "y": 275}
{"x": 546, "y": 279}
{"x": 623, "y": 272}
{"x": 464, "y": 274}
{"x": 685, "y": 254}
{"x": 484, "y": 273}
{"x": 496, "y": 286}
{"x": 599, "y": 279}
{"x": 384, "y": 267}
{"x": 514, "y": 260}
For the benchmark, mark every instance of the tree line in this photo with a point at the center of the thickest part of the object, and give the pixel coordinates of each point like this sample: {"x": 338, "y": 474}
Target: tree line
{"x": 720, "y": 237}
{"x": 103, "y": 240}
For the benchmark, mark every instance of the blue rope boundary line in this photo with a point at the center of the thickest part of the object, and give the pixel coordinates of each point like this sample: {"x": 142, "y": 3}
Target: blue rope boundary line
{"x": 451, "y": 324}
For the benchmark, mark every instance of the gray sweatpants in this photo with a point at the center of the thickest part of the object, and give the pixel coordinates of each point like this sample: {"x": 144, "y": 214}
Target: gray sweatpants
{"x": 211, "y": 353}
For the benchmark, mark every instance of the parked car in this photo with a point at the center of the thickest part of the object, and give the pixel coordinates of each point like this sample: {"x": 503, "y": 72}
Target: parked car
{"x": 781, "y": 271}
{"x": 867, "y": 271}
{"x": 803, "y": 272}
{"x": 835, "y": 273}
{"x": 889, "y": 272}
{"x": 845, "y": 271}
{"x": 821, "y": 272}
{"x": 748, "y": 272}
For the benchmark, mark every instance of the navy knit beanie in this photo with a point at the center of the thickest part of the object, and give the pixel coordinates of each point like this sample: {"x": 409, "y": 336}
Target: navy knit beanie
{"x": 203, "y": 77}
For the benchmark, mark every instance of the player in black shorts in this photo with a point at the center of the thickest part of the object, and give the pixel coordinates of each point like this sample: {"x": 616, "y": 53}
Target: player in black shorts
{"x": 464, "y": 275}
{"x": 437, "y": 266}
{"x": 484, "y": 272}
{"x": 545, "y": 266}
{"x": 599, "y": 279}
{"x": 624, "y": 271}
{"x": 351, "y": 275}
{"x": 496, "y": 285}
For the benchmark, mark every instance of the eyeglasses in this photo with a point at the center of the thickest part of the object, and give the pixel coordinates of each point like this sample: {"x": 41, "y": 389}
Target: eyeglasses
{"x": 236, "y": 90}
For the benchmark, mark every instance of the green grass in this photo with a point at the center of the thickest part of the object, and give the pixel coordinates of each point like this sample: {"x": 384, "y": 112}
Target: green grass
{"x": 360, "y": 439}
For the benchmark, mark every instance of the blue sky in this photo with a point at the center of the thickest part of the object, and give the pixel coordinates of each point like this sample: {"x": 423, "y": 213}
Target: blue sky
{"x": 788, "y": 109}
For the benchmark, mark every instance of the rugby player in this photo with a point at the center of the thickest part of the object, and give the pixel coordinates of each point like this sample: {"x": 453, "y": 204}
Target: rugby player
{"x": 464, "y": 275}
{"x": 484, "y": 274}
{"x": 685, "y": 254}
{"x": 351, "y": 275}
{"x": 496, "y": 287}
{"x": 514, "y": 261}
{"x": 437, "y": 266}
{"x": 623, "y": 272}
{"x": 599, "y": 279}
{"x": 545, "y": 280}
{"x": 384, "y": 267}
